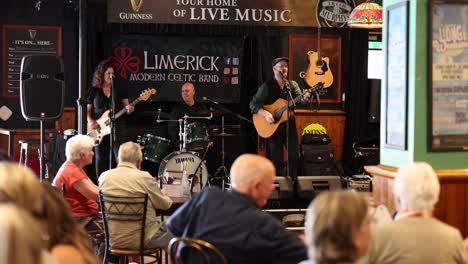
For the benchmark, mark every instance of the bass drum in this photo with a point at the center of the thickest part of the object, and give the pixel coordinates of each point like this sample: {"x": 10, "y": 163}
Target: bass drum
{"x": 172, "y": 169}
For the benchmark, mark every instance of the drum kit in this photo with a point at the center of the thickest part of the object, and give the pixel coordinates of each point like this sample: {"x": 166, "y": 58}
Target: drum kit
{"x": 184, "y": 171}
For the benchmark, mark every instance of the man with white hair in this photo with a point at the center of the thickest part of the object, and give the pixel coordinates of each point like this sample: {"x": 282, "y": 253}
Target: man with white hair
{"x": 416, "y": 236}
{"x": 127, "y": 179}
{"x": 80, "y": 192}
{"x": 233, "y": 221}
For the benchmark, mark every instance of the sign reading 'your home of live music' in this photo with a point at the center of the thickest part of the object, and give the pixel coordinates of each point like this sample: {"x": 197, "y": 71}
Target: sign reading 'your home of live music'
{"x": 299, "y": 13}
{"x": 213, "y": 64}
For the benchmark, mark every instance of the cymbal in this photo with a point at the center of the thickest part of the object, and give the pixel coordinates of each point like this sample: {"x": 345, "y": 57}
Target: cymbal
{"x": 154, "y": 114}
{"x": 207, "y": 112}
{"x": 224, "y": 134}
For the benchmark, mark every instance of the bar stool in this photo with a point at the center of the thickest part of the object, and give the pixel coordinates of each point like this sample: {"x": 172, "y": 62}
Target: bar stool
{"x": 26, "y": 146}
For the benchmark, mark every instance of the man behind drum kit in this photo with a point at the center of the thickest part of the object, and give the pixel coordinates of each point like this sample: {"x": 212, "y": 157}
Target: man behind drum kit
{"x": 129, "y": 180}
{"x": 188, "y": 107}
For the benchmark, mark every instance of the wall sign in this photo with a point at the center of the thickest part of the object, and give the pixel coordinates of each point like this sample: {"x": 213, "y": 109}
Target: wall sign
{"x": 397, "y": 76}
{"x": 333, "y": 13}
{"x": 448, "y": 78}
{"x": 21, "y": 40}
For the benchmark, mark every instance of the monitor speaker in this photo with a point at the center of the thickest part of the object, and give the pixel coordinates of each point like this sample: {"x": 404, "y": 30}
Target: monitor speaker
{"x": 42, "y": 87}
{"x": 308, "y": 186}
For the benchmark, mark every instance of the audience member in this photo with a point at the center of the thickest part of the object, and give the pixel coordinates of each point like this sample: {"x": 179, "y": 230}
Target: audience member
{"x": 337, "y": 228}
{"x": 416, "y": 236}
{"x": 80, "y": 192}
{"x": 129, "y": 180}
{"x": 233, "y": 221}
{"x": 21, "y": 237}
{"x": 68, "y": 241}
{"x": 19, "y": 186}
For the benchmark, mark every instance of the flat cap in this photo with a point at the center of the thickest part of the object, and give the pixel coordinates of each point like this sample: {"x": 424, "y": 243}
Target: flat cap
{"x": 276, "y": 60}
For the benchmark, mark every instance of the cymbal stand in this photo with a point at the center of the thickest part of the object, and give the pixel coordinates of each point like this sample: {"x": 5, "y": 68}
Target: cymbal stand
{"x": 222, "y": 169}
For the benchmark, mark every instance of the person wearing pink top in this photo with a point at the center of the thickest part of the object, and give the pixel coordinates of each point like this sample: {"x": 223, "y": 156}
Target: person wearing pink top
{"x": 80, "y": 192}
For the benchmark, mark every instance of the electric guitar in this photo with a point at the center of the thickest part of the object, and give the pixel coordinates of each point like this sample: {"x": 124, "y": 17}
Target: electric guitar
{"x": 103, "y": 128}
{"x": 279, "y": 113}
{"x": 318, "y": 69}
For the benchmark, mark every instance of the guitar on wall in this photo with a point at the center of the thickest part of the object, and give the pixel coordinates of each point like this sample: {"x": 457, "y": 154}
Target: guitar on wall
{"x": 279, "y": 113}
{"x": 318, "y": 70}
{"x": 103, "y": 128}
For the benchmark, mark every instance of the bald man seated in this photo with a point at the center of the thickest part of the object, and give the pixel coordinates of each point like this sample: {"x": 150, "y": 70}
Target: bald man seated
{"x": 233, "y": 221}
{"x": 188, "y": 106}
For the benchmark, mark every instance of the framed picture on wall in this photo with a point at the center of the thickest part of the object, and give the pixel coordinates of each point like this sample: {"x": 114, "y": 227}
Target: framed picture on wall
{"x": 397, "y": 76}
{"x": 305, "y": 48}
{"x": 448, "y": 76}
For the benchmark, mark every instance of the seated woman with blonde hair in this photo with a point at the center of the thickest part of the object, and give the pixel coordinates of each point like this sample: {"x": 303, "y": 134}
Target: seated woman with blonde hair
{"x": 337, "y": 228}
{"x": 68, "y": 241}
{"x": 21, "y": 237}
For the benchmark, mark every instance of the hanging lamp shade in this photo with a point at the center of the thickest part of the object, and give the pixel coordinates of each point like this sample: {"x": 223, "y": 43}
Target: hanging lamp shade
{"x": 366, "y": 15}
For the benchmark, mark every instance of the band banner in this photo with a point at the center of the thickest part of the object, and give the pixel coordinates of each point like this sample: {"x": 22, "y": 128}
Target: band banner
{"x": 213, "y": 64}
{"x": 291, "y": 13}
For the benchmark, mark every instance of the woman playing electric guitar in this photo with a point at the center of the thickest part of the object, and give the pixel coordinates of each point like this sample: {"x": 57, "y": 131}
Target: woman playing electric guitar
{"x": 99, "y": 100}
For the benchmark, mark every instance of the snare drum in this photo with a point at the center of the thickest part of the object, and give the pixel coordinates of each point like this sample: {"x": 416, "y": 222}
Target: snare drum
{"x": 154, "y": 148}
{"x": 172, "y": 168}
{"x": 197, "y": 136}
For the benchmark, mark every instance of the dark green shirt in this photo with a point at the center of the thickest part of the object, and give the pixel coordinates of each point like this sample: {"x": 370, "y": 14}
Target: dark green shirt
{"x": 269, "y": 92}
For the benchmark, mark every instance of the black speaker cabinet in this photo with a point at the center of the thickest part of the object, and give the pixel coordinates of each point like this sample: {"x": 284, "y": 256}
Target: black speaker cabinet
{"x": 42, "y": 87}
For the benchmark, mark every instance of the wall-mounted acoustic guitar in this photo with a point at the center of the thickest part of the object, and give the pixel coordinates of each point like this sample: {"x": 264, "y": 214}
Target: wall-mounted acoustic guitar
{"x": 279, "y": 113}
{"x": 318, "y": 70}
{"x": 103, "y": 128}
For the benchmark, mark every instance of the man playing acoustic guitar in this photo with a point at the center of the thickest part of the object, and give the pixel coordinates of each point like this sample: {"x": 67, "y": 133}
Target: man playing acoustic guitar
{"x": 273, "y": 95}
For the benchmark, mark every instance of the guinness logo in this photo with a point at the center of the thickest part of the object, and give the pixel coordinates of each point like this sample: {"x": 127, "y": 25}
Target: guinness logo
{"x": 32, "y": 33}
{"x": 136, "y": 4}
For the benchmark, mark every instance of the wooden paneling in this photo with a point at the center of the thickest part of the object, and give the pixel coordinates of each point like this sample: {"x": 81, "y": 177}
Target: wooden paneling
{"x": 452, "y": 207}
{"x": 333, "y": 120}
{"x": 68, "y": 120}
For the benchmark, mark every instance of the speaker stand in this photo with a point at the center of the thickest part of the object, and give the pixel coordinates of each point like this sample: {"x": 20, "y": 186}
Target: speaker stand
{"x": 41, "y": 154}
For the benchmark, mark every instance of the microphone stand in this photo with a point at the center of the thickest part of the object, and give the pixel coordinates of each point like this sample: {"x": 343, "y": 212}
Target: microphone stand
{"x": 219, "y": 106}
{"x": 291, "y": 106}
{"x": 111, "y": 124}
{"x": 192, "y": 176}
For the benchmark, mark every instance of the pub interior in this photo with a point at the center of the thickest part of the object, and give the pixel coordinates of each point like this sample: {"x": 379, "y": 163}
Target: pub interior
{"x": 381, "y": 97}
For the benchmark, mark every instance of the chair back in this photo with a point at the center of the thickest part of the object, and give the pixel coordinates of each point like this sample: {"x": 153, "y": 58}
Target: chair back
{"x": 126, "y": 209}
{"x": 179, "y": 248}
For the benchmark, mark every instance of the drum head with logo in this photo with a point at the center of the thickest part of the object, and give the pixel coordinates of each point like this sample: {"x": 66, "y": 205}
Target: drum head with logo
{"x": 172, "y": 169}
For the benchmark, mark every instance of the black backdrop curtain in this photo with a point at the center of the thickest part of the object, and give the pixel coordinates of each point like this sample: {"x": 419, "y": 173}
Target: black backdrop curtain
{"x": 357, "y": 129}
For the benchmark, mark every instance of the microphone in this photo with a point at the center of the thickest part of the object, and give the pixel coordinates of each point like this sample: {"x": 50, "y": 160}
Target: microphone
{"x": 209, "y": 100}
{"x": 159, "y": 114}
{"x": 111, "y": 76}
{"x": 283, "y": 72}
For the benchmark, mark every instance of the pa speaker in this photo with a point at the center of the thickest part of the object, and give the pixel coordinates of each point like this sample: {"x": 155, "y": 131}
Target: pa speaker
{"x": 42, "y": 87}
{"x": 310, "y": 186}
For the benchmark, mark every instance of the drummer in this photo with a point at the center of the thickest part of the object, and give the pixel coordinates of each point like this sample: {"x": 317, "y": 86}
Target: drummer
{"x": 187, "y": 106}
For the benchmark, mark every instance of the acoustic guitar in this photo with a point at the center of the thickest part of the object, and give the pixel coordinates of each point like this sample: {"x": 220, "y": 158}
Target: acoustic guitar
{"x": 279, "y": 113}
{"x": 318, "y": 70}
{"x": 103, "y": 128}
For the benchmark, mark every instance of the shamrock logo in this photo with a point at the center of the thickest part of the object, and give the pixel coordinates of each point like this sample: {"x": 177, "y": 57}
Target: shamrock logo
{"x": 124, "y": 61}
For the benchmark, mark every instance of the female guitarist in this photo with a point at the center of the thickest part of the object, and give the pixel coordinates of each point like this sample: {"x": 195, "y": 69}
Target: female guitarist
{"x": 274, "y": 93}
{"x": 98, "y": 102}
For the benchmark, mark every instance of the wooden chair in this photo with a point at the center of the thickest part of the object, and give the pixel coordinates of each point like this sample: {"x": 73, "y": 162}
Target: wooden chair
{"x": 128, "y": 209}
{"x": 180, "y": 245}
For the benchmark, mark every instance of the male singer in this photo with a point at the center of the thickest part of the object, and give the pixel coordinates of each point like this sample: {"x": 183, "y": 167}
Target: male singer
{"x": 267, "y": 94}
